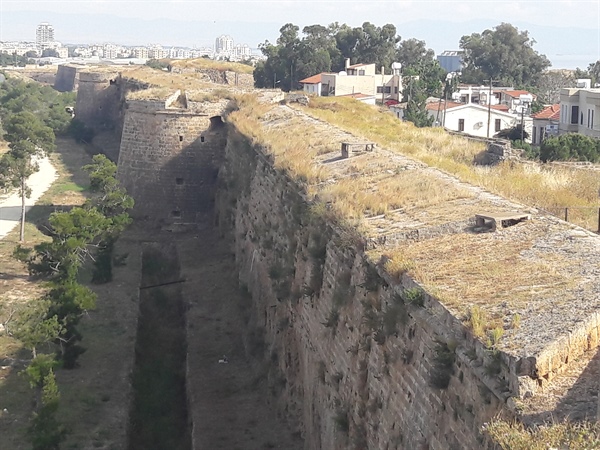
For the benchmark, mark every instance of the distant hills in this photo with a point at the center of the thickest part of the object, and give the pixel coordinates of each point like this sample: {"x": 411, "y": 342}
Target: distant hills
{"x": 565, "y": 47}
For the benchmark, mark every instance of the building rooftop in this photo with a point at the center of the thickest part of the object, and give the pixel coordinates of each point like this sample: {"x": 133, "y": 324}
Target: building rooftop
{"x": 549, "y": 112}
{"x": 315, "y": 79}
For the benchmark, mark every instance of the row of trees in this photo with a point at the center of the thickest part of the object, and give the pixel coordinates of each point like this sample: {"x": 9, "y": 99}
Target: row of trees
{"x": 48, "y": 326}
{"x": 503, "y": 54}
{"x": 31, "y": 116}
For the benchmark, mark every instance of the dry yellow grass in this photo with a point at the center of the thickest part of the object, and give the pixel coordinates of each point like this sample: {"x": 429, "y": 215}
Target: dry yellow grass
{"x": 204, "y": 63}
{"x": 294, "y": 146}
{"x": 365, "y": 195}
{"x": 485, "y": 269}
{"x": 549, "y": 187}
{"x": 153, "y": 93}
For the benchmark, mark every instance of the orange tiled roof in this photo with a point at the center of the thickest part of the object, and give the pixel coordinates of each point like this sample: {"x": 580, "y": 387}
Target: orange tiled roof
{"x": 435, "y": 106}
{"x": 516, "y": 94}
{"x": 549, "y": 112}
{"x": 315, "y": 79}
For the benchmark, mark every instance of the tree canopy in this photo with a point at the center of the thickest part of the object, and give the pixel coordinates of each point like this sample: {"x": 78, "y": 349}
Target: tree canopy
{"x": 47, "y": 104}
{"x": 570, "y": 147}
{"x": 503, "y": 53}
{"x": 323, "y": 49}
{"x": 592, "y": 72}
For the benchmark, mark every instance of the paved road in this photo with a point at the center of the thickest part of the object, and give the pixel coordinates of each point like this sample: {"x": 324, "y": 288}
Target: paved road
{"x": 10, "y": 207}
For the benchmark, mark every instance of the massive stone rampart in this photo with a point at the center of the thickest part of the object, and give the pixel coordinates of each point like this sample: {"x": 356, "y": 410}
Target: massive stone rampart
{"x": 365, "y": 361}
{"x": 169, "y": 159}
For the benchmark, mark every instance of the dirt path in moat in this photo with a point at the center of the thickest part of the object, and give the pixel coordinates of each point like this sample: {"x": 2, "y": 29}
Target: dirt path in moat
{"x": 228, "y": 402}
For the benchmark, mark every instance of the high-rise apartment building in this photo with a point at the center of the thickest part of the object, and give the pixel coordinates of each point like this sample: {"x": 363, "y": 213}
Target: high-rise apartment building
{"x": 44, "y": 36}
{"x": 224, "y": 44}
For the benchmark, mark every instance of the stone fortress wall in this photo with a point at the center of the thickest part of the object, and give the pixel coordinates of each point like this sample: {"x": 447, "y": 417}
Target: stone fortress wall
{"x": 346, "y": 384}
{"x": 170, "y": 157}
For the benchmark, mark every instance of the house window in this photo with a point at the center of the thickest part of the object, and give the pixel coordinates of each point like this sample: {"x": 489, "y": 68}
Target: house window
{"x": 201, "y": 138}
{"x": 180, "y": 138}
{"x": 361, "y": 72}
{"x": 461, "y": 124}
{"x": 380, "y": 89}
{"x": 395, "y": 89}
{"x": 388, "y": 89}
{"x": 574, "y": 114}
{"x": 533, "y": 136}
{"x": 497, "y": 125}
{"x": 592, "y": 121}
{"x": 581, "y": 120}
{"x": 179, "y": 181}
{"x": 176, "y": 213}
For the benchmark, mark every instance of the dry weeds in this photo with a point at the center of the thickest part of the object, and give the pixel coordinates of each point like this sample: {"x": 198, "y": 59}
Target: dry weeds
{"x": 484, "y": 269}
{"x": 549, "y": 187}
{"x": 204, "y": 63}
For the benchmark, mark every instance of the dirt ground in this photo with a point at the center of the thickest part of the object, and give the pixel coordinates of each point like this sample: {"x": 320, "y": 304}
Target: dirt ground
{"x": 229, "y": 403}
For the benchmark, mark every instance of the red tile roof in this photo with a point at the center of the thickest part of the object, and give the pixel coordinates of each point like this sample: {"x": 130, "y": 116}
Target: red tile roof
{"x": 315, "y": 79}
{"x": 549, "y": 112}
{"x": 516, "y": 94}
{"x": 500, "y": 107}
{"x": 435, "y": 106}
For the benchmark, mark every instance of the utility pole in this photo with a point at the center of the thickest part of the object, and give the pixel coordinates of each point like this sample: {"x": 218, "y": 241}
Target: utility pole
{"x": 489, "y": 107}
{"x": 522, "y": 121}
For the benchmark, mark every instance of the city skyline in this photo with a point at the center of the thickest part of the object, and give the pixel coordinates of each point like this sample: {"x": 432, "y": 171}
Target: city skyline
{"x": 567, "y": 46}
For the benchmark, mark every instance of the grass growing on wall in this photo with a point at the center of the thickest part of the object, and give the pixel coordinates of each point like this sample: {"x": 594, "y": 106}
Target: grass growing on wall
{"x": 204, "y": 63}
{"x": 574, "y": 436}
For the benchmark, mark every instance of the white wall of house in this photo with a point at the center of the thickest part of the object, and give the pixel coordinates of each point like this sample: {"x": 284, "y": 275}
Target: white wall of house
{"x": 543, "y": 128}
{"x": 337, "y": 85}
{"x": 314, "y": 89}
{"x": 580, "y": 111}
{"x": 473, "y": 119}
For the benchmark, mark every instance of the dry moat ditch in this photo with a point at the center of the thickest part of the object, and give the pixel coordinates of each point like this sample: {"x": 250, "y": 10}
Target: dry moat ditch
{"x": 192, "y": 316}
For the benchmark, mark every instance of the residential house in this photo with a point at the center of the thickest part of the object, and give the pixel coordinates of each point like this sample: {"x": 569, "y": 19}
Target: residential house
{"x": 313, "y": 85}
{"x": 357, "y": 79}
{"x": 473, "y": 119}
{"x": 545, "y": 123}
{"x": 579, "y": 109}
{"x": 511, "y": 100}
{"x": 517, "y": 101}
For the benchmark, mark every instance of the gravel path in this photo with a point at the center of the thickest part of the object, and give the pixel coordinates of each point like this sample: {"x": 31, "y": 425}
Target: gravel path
{"x": 10, "y": 207}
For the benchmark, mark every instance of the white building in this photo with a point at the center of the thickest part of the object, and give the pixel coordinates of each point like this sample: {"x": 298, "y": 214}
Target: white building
{"x": 140, "y": 52}
{"x": 157, "y": 52}
{"x": 224, "y": 44}
{"x": 545, "y": 123}
{"x": 357, "y": 79}
{"x": 474, "y": 119}
{"x": 110, "y": 51}
{"x": 579, "y": 109}
{"x": 63, "y": 52}
{"x": 44, "y": 36}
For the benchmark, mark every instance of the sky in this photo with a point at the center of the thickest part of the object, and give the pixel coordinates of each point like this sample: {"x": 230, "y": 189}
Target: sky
{"x": 566, "y": 31}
